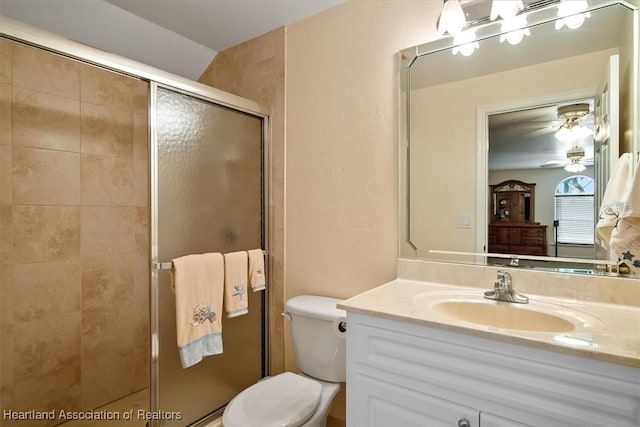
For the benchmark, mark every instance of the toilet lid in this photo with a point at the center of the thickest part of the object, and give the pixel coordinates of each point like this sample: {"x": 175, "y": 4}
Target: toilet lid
{"x": 285, "y": 400}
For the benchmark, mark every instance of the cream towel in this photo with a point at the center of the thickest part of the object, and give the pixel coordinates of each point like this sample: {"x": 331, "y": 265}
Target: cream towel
{"x": 616, "y": 193}
{"x": 235, "y": 283}
{"x": 198, "y": 282}
{"x": 257, "y": 279}
{"x": 625, "y": 237}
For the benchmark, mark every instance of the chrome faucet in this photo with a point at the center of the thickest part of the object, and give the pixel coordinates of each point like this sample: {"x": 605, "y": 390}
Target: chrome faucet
{"x": 503, "y": 290}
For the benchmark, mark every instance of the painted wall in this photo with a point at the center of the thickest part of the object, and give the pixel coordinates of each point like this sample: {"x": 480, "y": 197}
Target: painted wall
{"x": 342, "y": 107}
{"x": 342, "y": 145}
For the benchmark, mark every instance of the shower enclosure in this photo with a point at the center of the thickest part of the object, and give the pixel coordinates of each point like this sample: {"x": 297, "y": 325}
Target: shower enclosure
{"x": 108, "y": 168}
{"x": 208, "y": 197}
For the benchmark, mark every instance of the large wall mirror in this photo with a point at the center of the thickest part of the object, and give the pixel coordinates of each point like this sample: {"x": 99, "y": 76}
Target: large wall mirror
{"x": 477, "y": 121}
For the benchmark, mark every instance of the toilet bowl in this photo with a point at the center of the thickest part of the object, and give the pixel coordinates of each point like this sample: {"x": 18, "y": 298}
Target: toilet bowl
{"x": 318, "y": 332}
{"x": 284, "y": 400}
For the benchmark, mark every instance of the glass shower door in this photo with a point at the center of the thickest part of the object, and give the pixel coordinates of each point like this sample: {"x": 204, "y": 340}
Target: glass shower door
{"x": 208, "y": 198}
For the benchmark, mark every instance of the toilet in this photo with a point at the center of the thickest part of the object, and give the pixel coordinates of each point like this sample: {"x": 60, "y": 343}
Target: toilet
{"x": 318, "y": 332}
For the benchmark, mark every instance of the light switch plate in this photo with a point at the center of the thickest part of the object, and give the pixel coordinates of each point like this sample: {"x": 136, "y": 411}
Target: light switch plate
{"x": 464, "y": 221}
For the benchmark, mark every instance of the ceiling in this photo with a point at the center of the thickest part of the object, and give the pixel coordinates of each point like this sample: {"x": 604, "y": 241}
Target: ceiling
{"x": 220, "y": 24}
{"x": 525, "y": 139}
{"x": 179, "y": 36}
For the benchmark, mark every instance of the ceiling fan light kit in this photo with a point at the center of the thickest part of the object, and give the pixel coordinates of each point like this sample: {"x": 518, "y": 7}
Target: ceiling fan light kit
{"x": 571, "y": 114}
{"x": 572, "y": 131}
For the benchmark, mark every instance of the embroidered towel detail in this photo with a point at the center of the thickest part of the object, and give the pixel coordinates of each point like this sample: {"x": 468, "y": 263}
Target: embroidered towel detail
{"x": 257, "y": 279}
{"x": 625, "y": 243}
{"x": 625, "y": 237}
{"x": 198, "y": 283}
{"x": 616, "y": 193}
{"x": 235, "y": 283}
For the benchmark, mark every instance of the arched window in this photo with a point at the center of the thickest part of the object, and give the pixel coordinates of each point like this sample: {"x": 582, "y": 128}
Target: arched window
{"x": 574, "y": 210}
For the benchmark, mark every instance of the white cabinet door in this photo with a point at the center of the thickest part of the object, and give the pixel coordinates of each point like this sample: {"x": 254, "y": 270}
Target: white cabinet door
{"x": 490, "y": 420}
{"x": 382, "y": 404}
{"x": 403, "y": 374}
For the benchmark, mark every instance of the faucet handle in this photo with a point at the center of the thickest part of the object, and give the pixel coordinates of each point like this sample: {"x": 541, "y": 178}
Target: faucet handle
{"x": 503, "y": 276}
{"x": 504, "y": 280}
{"x": 503, "y": 290}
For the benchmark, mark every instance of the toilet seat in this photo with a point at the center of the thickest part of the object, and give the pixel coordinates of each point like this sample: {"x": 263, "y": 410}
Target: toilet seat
{"x": 284, "y": 400}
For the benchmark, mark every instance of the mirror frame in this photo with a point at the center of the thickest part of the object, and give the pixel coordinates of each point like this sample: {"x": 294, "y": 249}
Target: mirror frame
{"x": 408, "y": 56}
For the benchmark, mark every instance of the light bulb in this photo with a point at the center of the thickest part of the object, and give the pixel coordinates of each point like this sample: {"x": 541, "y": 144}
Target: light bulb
{"x": 578, "y": 132}
{"x": 571, "y": 14}
{"x": 506, "y": 9}
{"x": 465, "y": 43}
{"x": 452, "y": 18}
{"x": 514, "y": 30}
{"x": 575, "y": 166}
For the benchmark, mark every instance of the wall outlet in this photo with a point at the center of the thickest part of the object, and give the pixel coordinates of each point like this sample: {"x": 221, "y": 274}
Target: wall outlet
{"x": 464, "y": 221}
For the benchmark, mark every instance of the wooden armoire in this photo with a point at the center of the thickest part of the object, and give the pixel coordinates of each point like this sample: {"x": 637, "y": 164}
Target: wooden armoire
{"x": 512, "y": 226}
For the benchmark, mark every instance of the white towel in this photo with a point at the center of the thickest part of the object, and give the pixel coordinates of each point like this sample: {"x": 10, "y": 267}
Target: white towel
{"x": 257, "y": 279}
{"x": 616, "y": 193}
{"x": 235, "y": 283}
{"x": 198, "y": 284}
{"x": 625, "y": 237}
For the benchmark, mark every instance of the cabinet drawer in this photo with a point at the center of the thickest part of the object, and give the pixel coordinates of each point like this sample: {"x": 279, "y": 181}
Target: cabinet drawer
{"x": 534, "y": 241}
{"x": 532, "y": 232}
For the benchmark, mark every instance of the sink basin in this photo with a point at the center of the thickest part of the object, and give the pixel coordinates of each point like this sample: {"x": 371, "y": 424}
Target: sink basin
{"x": 471, "y": 307}
{"x": 503, "y": 315}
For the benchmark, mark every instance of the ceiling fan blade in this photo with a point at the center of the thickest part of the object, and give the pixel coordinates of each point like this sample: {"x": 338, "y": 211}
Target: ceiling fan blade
{"x": 554, "y": 164}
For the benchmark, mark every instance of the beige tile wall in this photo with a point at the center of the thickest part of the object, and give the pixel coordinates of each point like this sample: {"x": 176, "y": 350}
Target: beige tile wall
{"x": 73, "y": 233}
{"x": 255, "y": 70}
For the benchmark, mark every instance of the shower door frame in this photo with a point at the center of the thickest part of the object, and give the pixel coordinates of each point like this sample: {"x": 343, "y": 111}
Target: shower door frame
{"x": 36, "y": 37}
{"x": 157, "y": 264}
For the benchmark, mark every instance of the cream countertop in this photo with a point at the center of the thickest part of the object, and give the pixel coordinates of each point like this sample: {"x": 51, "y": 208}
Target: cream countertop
{"x": 611, "y": 332}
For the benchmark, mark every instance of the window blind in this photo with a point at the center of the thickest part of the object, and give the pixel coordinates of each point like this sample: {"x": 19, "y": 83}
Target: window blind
{"x": 575, "y": 217}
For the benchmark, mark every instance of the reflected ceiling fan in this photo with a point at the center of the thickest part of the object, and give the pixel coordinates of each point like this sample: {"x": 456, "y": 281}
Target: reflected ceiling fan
{"x": 573, "y": 130}
{"x": 540, "y": 128}
{"x": 575, "y": 156}
{"x": 567, "y": 117}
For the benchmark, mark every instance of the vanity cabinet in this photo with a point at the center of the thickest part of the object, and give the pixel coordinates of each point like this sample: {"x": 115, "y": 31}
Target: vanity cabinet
{"x": 401, "y": 373}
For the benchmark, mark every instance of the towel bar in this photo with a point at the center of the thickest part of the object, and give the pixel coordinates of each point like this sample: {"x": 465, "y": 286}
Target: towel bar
{"x": 169, "y": 264}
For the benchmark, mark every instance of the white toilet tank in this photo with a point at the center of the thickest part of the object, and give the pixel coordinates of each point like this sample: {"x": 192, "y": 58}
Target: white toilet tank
{"x": 318, "y": 331}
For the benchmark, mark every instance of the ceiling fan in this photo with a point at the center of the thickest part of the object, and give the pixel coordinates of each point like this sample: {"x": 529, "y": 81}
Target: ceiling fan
{"x": 572, "y": 130}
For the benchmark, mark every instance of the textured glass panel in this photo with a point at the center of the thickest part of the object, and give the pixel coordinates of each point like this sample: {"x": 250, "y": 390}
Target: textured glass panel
{"x": 209, "y": 200}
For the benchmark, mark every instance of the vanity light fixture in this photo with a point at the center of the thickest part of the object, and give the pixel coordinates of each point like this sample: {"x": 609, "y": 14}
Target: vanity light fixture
{"x": 572, "y": 13}
{"x": 514, "y": 29}
{"x": 505, "y": 9}
{"x": 451, "y": 18}
{"x": 465, "y": 43}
